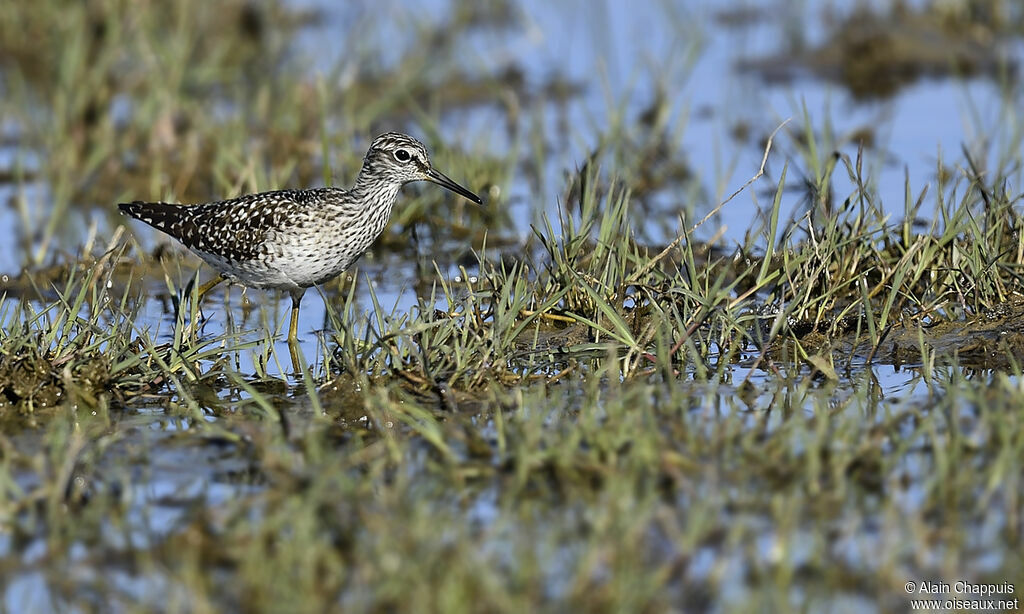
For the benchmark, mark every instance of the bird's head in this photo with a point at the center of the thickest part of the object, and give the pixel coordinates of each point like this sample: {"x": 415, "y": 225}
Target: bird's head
{"x": 400, "y": 158}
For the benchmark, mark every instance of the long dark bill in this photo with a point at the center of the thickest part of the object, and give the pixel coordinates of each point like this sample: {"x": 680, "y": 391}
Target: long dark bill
{"x": 442, "y": 180}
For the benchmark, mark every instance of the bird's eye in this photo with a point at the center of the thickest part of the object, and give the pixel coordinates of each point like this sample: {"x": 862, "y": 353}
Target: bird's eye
{"x": 402, "y": 155}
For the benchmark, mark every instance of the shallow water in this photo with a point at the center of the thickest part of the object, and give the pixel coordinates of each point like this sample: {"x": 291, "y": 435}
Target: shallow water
{"x": 170, "y": 464}
{"x": 168, "y": 479}
{"x": 618, "y": 56}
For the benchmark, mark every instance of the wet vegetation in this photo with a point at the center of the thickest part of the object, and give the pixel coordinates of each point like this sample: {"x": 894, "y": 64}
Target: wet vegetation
{"x": 875, "y": 53}
{"x": 600, "y": 414}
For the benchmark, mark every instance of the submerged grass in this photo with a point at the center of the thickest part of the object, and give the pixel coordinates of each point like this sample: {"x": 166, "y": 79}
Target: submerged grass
{"x": 579, "y": 421}
{"x": 564, "y": 430}
{"x": 577, "y": 494}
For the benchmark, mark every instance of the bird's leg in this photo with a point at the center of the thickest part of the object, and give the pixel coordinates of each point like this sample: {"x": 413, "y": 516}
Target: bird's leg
{"x": 199, "y": 297}
{"x": 203, "y": 289}
{"x": 293, "y": 328}
{"x": 201, "y": 294}
{"x": 293, "y": 351}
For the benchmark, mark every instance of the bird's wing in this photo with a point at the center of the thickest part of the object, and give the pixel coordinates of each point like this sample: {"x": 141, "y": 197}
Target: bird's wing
{"x": 236, "y": 229}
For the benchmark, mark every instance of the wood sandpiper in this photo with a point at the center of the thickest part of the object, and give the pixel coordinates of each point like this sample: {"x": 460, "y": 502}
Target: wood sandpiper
{"x": 293, "y": 239}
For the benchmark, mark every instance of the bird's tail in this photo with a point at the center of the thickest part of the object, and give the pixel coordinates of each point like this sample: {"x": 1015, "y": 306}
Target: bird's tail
{"x": 157, "y": 215}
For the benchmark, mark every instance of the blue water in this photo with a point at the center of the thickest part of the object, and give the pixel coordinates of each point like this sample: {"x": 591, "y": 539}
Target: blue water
{"x": 620, "y": 52}
{"x": 623, "y": 54}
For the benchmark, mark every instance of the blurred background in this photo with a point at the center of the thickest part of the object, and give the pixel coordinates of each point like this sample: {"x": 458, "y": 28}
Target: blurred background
{"x": 112, "y": 100}
{"x": 528, "y": 103}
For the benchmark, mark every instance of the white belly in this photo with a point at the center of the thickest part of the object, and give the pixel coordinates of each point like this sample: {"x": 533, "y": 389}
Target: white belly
{"x": 297, "y": 262}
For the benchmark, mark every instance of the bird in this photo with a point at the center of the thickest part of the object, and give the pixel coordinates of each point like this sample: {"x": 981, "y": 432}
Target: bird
{"x": 292, "y": 240}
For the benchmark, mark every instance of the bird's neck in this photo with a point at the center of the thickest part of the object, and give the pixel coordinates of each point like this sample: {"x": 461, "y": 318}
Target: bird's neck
{"x": 377, "y": 197}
